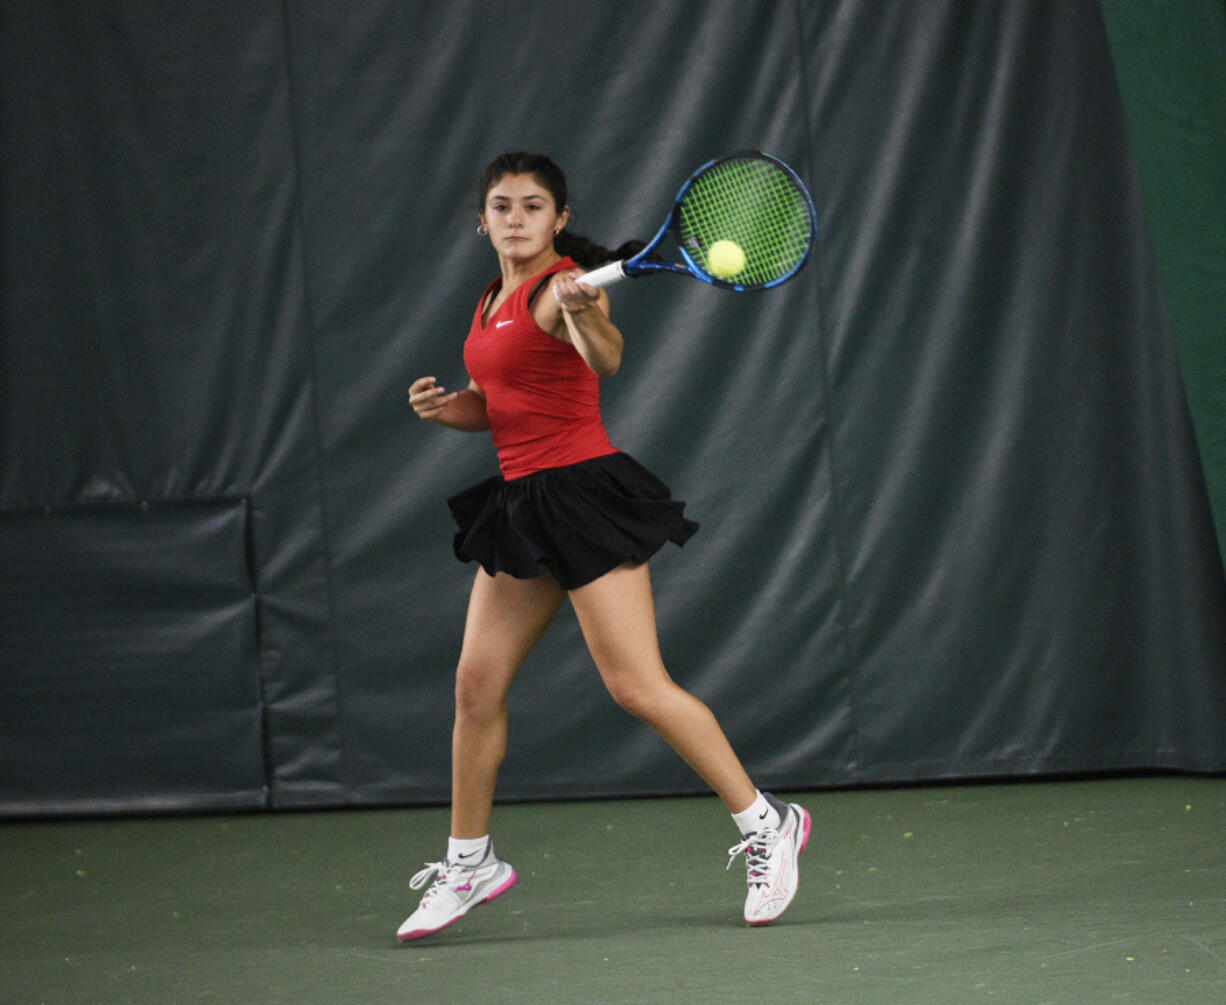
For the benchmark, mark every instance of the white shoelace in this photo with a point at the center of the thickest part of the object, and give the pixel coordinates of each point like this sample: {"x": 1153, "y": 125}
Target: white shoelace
{"x": 758, "y": 849}
{"x": 445, "y": 870}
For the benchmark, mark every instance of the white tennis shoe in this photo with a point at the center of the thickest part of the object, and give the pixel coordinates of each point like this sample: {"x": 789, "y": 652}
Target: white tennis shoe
{"x": 772, "y": 863}
{"x": 456, "y": 890}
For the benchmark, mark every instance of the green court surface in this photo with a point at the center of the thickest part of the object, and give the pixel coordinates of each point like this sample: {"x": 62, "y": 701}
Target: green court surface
{"x": 1069, "y": 892}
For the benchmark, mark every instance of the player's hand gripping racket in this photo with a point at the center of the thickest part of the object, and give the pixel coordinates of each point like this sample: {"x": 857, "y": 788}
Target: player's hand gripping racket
{"x": 741, "y": 222}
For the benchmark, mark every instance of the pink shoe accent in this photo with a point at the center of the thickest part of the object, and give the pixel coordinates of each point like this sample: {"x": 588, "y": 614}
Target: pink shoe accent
{"x": 808, "y": 827}
{"x": 511, "y": 881}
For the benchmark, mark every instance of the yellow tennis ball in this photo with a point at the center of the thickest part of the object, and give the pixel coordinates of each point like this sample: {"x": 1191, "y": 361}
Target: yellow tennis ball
{"x": 725, "y": 259}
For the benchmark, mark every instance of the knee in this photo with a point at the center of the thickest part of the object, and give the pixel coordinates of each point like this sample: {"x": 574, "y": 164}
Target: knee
{"x": 639, "y": 699}
{"x": 480, "y": 693}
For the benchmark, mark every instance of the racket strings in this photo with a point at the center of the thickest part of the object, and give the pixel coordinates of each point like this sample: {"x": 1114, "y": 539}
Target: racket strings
{"x": 755, "y": 203}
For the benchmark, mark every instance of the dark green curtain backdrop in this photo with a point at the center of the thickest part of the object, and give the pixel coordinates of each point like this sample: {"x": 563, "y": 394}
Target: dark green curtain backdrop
{"x": 954, "y": 520}
{"x": 1171, "y": 63}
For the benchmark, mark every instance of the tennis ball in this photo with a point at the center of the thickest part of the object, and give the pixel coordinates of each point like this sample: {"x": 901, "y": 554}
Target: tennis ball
{"x": 725, "y": 259}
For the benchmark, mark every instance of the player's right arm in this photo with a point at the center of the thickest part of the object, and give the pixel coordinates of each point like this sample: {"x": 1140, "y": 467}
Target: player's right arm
{"x": 463, "y": 410}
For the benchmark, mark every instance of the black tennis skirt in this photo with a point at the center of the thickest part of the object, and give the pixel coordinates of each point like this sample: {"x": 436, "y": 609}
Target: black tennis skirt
{"x": 577, "y": 522}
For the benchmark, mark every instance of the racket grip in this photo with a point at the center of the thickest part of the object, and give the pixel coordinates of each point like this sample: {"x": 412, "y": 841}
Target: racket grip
{"x": 606, "y": 275}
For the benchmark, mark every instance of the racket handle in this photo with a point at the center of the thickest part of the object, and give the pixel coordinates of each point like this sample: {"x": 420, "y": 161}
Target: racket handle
{"x": 606, "y": 275}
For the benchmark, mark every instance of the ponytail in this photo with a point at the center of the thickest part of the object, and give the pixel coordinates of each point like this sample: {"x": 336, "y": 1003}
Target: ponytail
{"x": 588, "y": 255}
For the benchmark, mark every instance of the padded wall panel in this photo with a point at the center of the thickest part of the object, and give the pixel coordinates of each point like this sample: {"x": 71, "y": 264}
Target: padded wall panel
{"x": 954, "y": 519}
{"x": 130, "y": 660}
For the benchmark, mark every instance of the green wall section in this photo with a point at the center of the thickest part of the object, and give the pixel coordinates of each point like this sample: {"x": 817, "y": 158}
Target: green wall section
{"x": 1170, "y": 58}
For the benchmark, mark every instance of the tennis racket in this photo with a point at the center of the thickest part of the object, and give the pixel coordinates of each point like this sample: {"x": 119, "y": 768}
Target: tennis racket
{"x": 744, "y": 221}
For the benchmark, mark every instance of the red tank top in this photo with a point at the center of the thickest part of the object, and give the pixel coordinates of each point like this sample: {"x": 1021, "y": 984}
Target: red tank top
{"x": 542, "y": 399}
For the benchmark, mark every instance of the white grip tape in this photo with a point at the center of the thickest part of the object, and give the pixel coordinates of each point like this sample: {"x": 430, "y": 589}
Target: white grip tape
{"x": 606, "y": 275}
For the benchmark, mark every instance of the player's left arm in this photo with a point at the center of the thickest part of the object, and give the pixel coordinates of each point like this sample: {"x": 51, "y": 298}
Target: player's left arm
{"x": 583, "y": 320}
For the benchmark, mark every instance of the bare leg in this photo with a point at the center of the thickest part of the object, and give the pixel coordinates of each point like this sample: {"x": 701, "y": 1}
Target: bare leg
{"x": 506, "y": 618}
{"x": 617, "y": 615}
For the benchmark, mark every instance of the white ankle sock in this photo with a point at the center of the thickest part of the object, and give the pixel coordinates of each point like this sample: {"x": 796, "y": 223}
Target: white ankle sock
{"x": 467, "y": 851}
{"x": 761, "y": 814}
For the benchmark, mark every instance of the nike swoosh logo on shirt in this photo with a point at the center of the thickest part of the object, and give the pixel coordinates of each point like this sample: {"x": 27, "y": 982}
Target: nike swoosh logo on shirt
{"x": 503, "y": 324}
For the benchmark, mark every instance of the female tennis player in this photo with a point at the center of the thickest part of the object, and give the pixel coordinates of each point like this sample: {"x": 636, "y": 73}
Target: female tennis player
{"x": 570, "y": 516}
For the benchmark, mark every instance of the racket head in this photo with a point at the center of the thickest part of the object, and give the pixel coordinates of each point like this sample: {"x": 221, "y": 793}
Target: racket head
{"x": 755, "y": 200}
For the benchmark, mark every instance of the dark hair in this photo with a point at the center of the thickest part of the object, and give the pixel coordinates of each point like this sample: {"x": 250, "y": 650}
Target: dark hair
{"x": 585, "y": 252}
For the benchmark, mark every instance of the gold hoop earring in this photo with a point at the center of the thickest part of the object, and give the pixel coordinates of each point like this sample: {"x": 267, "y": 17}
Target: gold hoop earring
{"x": 481, "y": 229}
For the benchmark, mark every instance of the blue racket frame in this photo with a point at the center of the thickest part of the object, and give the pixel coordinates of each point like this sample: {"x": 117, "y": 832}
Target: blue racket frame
{"x": 638, "y": 265}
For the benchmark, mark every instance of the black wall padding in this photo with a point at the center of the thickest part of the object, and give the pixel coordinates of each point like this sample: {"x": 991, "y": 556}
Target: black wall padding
{"x": 953, "y": 519}
{"x": 131, "y": 659}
